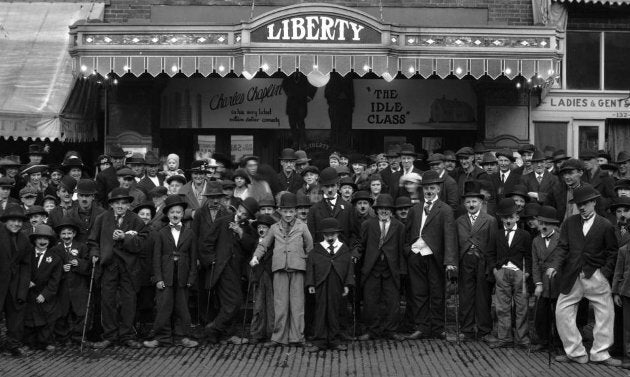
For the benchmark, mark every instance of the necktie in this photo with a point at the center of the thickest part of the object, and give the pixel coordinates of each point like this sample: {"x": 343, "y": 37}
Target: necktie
{"x": 539, "y": 177}
{"x": 330, "y": 203}
{"x": 331, "y": 249}
{"x": 119, "y": 220}
{"x": 427, "y": 208}
{"x": 177, "y": 227}
{"x": 507, "y": 235}
{"x": 382, "y": 237}
{"x": 502, "y": 177}
{"x": 473, "y": 218}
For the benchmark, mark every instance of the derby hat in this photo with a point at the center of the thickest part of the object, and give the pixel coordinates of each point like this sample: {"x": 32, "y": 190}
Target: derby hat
{"x": 303, "y": 201}
{"x": 72, "y": 162}
{"x": 407, "y": 149}
{"x": 362, "y": 195}
{"x": 431, "y": 177}
{"x": 623, "y": 201}
{"x": 530, "y": 210}
{"x": 176, "y": 177}
{"x": 43, "y": 230}
{"x": 480, "y": 148}
{"x": 13, "y": 211}
{"x": 214, "y": 188}
{"x": 135, "y": 159}
{"x": 68, "y": 183}
{"x": 310, "y": 169}
{"x": 506, "y": 207}
{"x": 328, "y": 177}
{"x": 116, "y": 152}
{"x": 507, "y": 153}
{"x": 472, "y": 189}
{"x": 172, "y": 201}
{"x": 86, "y": 187}
{"x": 403, "y": 202}
{"x": 329, "y": 225}
{"x": 302, "y": 158}
{"x": 7, "y": 182}
{"x": 571, "y": 164}
{"x": 548, "y": 151}
{"x": 547, "y": 214}
{"x": 519, "y": 190}
{"x": 67, "y": 222}
{"x": 609, "y": 166}
{"x": 436, "y": 158}
{"x": 347, "y": 181}
{"x": 622, "y": 184}
{"x": 148, "y": 204}
{"x": 342, "y": 170}
{"x": 527, "y": 148}
{"x": 559, "y": 156}
{"x": 157, "y": 192}
{"x": 287, "y": 200}
{"x": 35, "y": 210}
{"x": 584, "y": 194}
{"x": 384, "y": 201}
{"x": 119, "y": 193}
{"x": 489, "y": 159}
{"x": 150, "y": 158}
{"x": 263, "y": 220}
{"x": 623, "y": 156}
{"x": 287, "y": 154}
{"x": 251, "y": 206}
{"x": 587, "y": 155}
{"x": 125, "y": 172}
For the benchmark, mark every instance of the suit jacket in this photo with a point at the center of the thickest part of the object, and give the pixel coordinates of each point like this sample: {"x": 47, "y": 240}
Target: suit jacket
{"x": 202, "y": 221}
{"x": 449, "y": 192}
{"x": 289, "y": 250}
{"x": 544, "y": 189}
{"x": 621, "y": 278}
{"x": 291, "y": 183}
{"x": 391, "y": 180}
{"x": 438, "y": 232}
{"x": 85, "y": 223}
{"x": 479, "y": 238}
{"x": 521, "y": 248}
{"x": 558, "y": 200}
{"x": 393, "y": 245}
{"x": 165, "y": 252}
{"x": 320, "y": 264}
{"x": 541, "y": 261}
{"x": 106, "y": 181}
{"x": 146, "y": 184}
{"x": 15, "y": 267}
{"x": 603, "y": 183}
{"x": 102, "y": 244}
{"x": 74, "y": 285}
{"x": 46, "y": 278}
{"x": 343, "y": 212}
{"x": 314, "y": 193}
{"x": 463, "y": 177}
{"x": 187, "y": 192}
{"x": 220, "y": 245}
{"x": 577, "y": 253}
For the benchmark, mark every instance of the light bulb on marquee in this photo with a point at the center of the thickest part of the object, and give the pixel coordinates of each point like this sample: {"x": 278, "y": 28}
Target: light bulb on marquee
{"x": 174, "y": 69}
{"x": 508, "y": 70}
{"x": 318, "y": 79}
{"x": 412, "y": 70}
{"x": 265, "y": 67}
{"x": 458, "y": 70}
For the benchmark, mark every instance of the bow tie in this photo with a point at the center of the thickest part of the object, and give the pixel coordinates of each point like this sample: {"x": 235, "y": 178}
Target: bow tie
{"x": 39, "y": 253}
{"x": 177, "y": 227}
{"x": 548, "y": 237}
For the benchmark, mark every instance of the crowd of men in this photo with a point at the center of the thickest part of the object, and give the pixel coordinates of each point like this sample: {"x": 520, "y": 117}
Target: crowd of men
{"x": 144, "y": 249}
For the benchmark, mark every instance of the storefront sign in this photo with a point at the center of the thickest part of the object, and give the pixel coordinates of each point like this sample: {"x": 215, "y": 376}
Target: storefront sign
{"x": 316, "y": 29}
{"x": 427, "y": 104}
{"x": 613, "y": 107}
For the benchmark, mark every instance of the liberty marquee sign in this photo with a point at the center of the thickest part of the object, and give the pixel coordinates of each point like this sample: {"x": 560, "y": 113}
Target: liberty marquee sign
{"x": 316, "y": 29}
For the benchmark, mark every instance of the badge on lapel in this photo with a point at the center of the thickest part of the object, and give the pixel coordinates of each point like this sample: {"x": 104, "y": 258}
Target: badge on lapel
{"x": 342, "y": 207}
{"x": 74, "y": 252}
{"x": 48, "y": 259}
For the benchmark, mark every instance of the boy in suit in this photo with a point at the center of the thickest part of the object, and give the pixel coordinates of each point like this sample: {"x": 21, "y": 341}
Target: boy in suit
{"x": 381, "y": 250}
{"x": 476, "y": 240}
{"x": 175, "y": 271}
{"x": 46, "y": 269}
{"x": 263, "y": 316}
{"x": 73, "y": 288}
{"x": 586, "y": 254}
{"x": 546, "y": 290}
{"x": 430, "y": 247}
{"x": 329, "y": 276}
{"x": 511, "y": 259}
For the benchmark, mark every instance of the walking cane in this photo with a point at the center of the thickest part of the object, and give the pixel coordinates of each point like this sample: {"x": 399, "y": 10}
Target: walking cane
{"x": 87, "y": 307}
{"x": 550, "y": 342}
{"x": 457, "y": 309}
{"x": 354, "y": 305}
{"x": 529, "y": 349}
{"x": 249, "y": 285}
{"x": 209, "y": 293}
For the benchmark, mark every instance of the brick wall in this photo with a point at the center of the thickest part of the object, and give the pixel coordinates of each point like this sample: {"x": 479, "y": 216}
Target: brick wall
{"x": 508, "y": 12}
{"x": 598, "y": 17}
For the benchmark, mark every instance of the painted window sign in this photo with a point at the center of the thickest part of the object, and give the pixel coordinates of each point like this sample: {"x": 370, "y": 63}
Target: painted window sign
{"x": 316, "y": 29}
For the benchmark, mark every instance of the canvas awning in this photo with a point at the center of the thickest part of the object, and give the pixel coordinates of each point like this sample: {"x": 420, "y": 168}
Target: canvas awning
{"x": 316, "y": 39}
{"x": 36, "y": 71}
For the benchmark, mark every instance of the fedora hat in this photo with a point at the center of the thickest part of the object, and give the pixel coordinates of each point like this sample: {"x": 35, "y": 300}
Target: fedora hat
{"x": 301, "y": 156}
{"x": 310, "y": 169}
{"x": 571, "y": 164}
{"x": 548, "y": 150}
{"x": 34, "y": 168}
{"x": 559, "y": 156}
{"x": 68, "y": 183}
{"x": 547, "y": 214}
{"x": 362, "y": 195}
{"x": 431, "y": 177}
{"x": 43, "y": 230}
{"x": 198, "y": 166}
{"x": 519, "y": 190}
{"x": 407, "y": 149}
{"x": 584, "y": 194}
{"x": 347, "y": 181}
{"x": 622, "y": 184}
{"x": 35, "y": 210}
{"x": 150, "y": 158}
{"x": 242, "y": 173}
{"x": 86, "y": 187}
{"x": 136, "y": 159}
{"x": 530, "y": 210}
{"x": 72, "y": 162}
{"x": 67, "y": 222}
{"x": 403, "y": 202}
{"x": 436, "y": 158}
{"x": 119, "y": 193}
{"x": 172, "y": 201}
{"x": 176, "y": 177}
{"x": 489, "y": 159}
{"x": 472, "y": 189}
{"x": 263, "y": 220}
{"x": 288, "y": 200}
{"x": 287, "y": 154}
{"x": 527, "y": 148}
{"x": 328, "y": 177}
{"x": 507, "y": 153}
{"x": 36, "y": 149}
{"x": 116, "y": 151}
{"x": 13, "y": 211}
{"x": 623, "y": 156}
{"x": 267, "y": 201}
{"x": 538, "y": 156}
{"x": 506, "y": 207}
{"x": 480, "y": 148}
{"x": 303, "y": 201}
{"x": 214, "y": 188}
{"x": 384, "y": 201}
{"x": 623, "y": 201}
{"x": 251, "y": 206}
{"x": 7, "y": 182}
{"x": 329, "y": 225}
{"x": 148, "y": 204}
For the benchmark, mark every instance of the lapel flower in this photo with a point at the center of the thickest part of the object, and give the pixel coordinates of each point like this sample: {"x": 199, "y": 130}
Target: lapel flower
{"x": 342, "y": 207}
{"x": 48, "y": 259}
{"x": 74, "y": 252}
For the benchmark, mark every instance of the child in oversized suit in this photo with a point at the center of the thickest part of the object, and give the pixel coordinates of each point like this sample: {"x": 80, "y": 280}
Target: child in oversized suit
{"x": 73, "y": 288}
{"x": 46, "y": 269}
{"x": 175, "y": 271}
{"x": 329, "y": 276}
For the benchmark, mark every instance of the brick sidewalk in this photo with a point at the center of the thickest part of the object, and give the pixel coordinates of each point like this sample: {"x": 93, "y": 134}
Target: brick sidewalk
{"x": 373, "y": 358}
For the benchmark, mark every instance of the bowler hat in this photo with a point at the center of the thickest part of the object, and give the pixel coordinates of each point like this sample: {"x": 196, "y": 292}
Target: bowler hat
{"x": 213, "y": 188}
{"x": 116, "y": 152}
{"x": 431, "y": 177}
{"x": 125, "y": 172}
{"x": 362, "y": 195}
{"x": 623, "y": 201}
{"x": 328, "y": 177}
{"x": 251, "y": 205}
{"x": 43, "y": 230}
{"x": 67, "y": 222}
{"x": 622, "y": 184}
{"x": 310, "y": 169}
{"x": 7, "y": 182}
{"x": 86, "y": 187}
{"x": 267, "y": 201}
{"x": 8, "y": 163}
{"x": 488, "y": 159}
{"x": 359, "y": 159}
{"x": 302, "y": 158}
{"x": 329, "y": 225}
{"x": 584, "y": 194}
{"x": 407, "y": 149}
{"x": 241, "y": 173}
{"x": 176, "y": 177}
{"x": 13, "y": 211}
{"x": 222, "y": 159}
{"x": 548, "y": 214}
{"x": 623, "y": 156}
{"x": 479, "y": 148}
{"x": 34, "y": 168}
{"x": 559, "y": 156}
{"x": 347, "y": 181}
{"x": 151, "y": 159}
{"x": 506, "y": 207}
{"x": 527, "y": 148}
{"x": 35, "y": 210}
{"x": 464, "y": 152}
{"x": 119, "y": 193}
{"x": 72, "y": 162}
{"x": 198, "y": 166}
{"x": 403, "y": 202}
{"x": 507, "y": 153}
{"x": 287, "y": 154}
{"x": 538, "y": 156}
{"x": 530, "y": 210}
{"x": 450, "y": 156}
{"x": 172, "y": 201}
{"x": 28, "y": 191}
{"x": 36, "y": 149}
{"x": 148, "y": 204}
{"x": 436, "y": 158}
{"x": 384, "y": 201}
{"x": 263, "y": 220}
{"x": 472, "y": 189}
{"x": 135, "y": 158}
{"x": 571, "y": 164}
{"x": 68, "y": 183}
{"x": 287, "y": 200}
{"x": 303, "y": 201}
{"x": 158, "y": 191}
{"x": 519, "y": 190}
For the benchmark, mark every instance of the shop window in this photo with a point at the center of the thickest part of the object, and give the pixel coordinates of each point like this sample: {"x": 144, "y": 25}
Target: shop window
{"x": 616, "y": 47}
{"x": 588, "y": 138}
{"x": 242, "y": 145}
{"x": 583, "y": 60}
{"x": 550, "y": 133}
{"x": 206, "y": 146}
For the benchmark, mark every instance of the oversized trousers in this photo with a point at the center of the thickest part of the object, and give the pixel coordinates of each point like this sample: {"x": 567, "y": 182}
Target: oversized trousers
{"x": 288, "y": 305}
{"x": 475, "y": 296}
{"x": 509, "y": 289}
{"x": 263, "y": 316}
{"x": 426, "y": 277}
{"x": 329, "y": 302}
{"x": 117, "y": 291}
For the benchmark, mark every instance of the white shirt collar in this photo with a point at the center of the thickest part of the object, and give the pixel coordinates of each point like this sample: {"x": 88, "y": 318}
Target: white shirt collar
{"x": 336, "y": 245}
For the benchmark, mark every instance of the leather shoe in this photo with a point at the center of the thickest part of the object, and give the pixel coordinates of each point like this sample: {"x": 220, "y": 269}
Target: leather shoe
{"x": 626, "y": 364}
{"x": 270, "y": 344}
{"x": 567, "y": 359}
{"x": 186, "y": 343}
{"x": 609, "y": 362}
{"x": 397, "y": 337}
{"x": 364, "y": 337}
{"x": 313, "y": 349}
{"x": 133, "y": 344}
{"x": 20, "y": 352}
{"x": 50, "y": 348}
{"x": 340, "y": 347}
{"x": 416, "y": 335}
{"x": 101, "y": 345}
{"x": 151, "y": 343}
{"x": 538, "y": 348}
{"x": 489, "y": 338}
